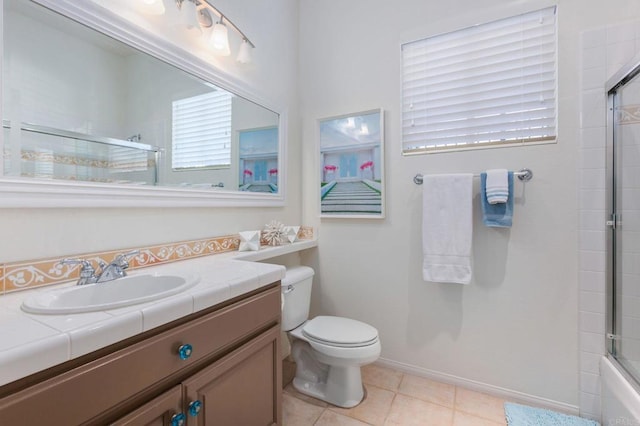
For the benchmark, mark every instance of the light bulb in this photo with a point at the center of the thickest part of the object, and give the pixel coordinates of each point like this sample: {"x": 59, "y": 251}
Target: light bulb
{"x": 172, "y": 12}
{"x": 220, "y": 39}
{"x": 244, "y": 54}
{"x": 150, "y": 7}
{"x": 189, "y": 17}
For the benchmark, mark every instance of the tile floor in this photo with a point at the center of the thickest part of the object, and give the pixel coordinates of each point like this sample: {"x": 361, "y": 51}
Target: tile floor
{"x": 396, "y": 398}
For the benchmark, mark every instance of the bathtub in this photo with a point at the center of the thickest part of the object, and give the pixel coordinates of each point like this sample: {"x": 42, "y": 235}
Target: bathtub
{"x": 620, "y": 401}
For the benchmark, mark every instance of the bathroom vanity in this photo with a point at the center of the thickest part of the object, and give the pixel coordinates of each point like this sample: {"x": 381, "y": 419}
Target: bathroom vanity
{"x": 219, "y": 364}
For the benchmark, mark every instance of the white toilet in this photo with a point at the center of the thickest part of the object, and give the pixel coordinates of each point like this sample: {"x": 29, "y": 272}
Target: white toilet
{"x": 328, "y": 351}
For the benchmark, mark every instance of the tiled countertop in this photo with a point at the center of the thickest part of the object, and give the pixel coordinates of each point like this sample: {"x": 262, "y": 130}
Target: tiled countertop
{"x": 30, "y": 343}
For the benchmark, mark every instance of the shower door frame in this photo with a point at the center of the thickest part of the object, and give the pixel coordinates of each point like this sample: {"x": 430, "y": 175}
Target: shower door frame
{"x": 616, "y": 82}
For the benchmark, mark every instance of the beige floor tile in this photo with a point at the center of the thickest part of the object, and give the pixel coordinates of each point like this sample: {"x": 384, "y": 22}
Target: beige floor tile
{"x": 373, "y": 409}
{"x": 381, "y": 377}
{"x": 408, "y": 411}
{"x": 309, "y": 399}
{"x": 480, "y": 404}
{"x": 463, "y": 419}
{"x": 331, "y": 418}
{"x": 296, "y": 412}
{"x": 428, "y": 390}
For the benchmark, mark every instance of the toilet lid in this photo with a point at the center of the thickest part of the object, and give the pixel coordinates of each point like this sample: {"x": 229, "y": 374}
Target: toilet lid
{"x": 340, "y": 331}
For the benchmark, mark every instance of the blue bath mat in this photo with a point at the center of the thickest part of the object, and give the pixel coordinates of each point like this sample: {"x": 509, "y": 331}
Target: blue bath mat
{"x": 522, "y": 415}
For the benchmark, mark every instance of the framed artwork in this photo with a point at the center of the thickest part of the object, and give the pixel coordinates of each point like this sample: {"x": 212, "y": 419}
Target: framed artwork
{"x": 351, "y": 165}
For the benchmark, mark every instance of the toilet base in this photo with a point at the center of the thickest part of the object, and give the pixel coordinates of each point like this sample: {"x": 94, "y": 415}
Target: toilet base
{"x": 337, "y": 385}
{"x": 346, "y": 394}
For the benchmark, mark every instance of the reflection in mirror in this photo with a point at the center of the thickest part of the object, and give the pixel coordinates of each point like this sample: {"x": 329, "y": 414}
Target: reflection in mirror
{"x": 81, "y": 106}
{"x": 259, "y": 160}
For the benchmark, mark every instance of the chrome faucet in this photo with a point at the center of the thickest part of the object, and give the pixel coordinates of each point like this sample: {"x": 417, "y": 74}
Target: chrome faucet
{"x": 115, "y": 269}
{"x": 87, "y": 272}
{"x": 108, "y": 272}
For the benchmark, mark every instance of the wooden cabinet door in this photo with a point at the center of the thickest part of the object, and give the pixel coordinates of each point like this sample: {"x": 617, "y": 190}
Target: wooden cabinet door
{"x": 126, "y": 373}
{"x": 244, "y": 388}
{"x": 157, "y": 412}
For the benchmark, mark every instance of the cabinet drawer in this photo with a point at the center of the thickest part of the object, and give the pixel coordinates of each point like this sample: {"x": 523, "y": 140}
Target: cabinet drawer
{"x": 157, "y": 412}
{"x": 98, "y": 386}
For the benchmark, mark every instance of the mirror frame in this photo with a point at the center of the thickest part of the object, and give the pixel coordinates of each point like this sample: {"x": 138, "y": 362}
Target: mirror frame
{"x": 25, "y": 192}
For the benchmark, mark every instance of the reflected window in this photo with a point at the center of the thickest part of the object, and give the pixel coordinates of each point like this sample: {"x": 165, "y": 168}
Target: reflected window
{"x": 202, "y": 131}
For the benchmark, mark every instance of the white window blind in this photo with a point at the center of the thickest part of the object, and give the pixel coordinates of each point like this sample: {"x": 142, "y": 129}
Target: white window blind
{"x": 202, "y": 131}
{"x": 490, "y": 84}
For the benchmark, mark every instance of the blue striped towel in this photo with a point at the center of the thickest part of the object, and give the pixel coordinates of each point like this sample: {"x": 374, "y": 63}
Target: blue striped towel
{"x": 497, "y": 188}
{"x": 496, "y": 215}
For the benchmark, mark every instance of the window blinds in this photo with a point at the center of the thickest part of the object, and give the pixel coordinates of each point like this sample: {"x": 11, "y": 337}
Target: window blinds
{"x": 202, "y": 131}
{"x": 490, "y": 84}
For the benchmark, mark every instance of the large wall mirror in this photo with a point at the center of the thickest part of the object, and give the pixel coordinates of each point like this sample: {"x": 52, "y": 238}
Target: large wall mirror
{"x": 82, "y": 109}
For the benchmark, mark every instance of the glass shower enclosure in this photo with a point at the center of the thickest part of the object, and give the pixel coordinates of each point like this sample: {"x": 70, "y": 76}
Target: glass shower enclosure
{"x": 623, "y": 222}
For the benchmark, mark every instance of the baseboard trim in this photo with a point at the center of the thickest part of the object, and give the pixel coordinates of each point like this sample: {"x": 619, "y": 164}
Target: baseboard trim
{"x": 509, "y": 394}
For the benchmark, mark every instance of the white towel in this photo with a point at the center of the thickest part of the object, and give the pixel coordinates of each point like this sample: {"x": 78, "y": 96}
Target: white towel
{"x": 497, "y": 186}
{"x": 447, "y": 228}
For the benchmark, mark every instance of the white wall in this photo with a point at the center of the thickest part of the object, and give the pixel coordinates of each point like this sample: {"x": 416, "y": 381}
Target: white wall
{"x": 515, "y": 327}
{"x": 82, "y": 86}
{"x": 37, "y": 233}
{"x": 605, "y": 50}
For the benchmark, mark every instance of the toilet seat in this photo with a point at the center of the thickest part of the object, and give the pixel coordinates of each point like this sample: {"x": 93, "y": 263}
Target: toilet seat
{"x": 340, "y": 332}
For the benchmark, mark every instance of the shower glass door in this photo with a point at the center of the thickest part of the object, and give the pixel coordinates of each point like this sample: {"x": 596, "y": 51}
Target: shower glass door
{"x": 624, "y": 172}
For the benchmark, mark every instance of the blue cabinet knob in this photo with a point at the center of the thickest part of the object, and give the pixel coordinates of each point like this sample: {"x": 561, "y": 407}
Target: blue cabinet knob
{"x": 194, "y": 408}
{"x": 185, "y": 351}
{"x": 178, "y": 419}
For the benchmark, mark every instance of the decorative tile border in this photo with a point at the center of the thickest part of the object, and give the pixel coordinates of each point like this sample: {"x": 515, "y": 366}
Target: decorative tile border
{"x": 48, "y": 156}
{"x": 628, "y": 114}
{"x": 28, "y": 275}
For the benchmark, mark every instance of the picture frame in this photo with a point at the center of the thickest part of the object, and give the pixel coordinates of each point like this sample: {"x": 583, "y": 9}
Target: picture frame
{"x": 351, "y": 165}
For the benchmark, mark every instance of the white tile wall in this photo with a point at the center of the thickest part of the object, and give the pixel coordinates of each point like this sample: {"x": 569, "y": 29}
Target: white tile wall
{"x": 604, "y": 51}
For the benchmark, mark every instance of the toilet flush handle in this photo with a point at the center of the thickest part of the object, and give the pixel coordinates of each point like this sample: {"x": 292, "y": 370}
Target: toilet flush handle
{"x": 289, "y": 289}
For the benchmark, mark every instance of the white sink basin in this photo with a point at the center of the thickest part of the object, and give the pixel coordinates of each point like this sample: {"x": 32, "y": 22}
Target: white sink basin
{"x": 130, "y": 290}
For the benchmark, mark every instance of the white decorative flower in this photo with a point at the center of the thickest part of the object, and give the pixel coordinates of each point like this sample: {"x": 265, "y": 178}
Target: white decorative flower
{"x": 17, "y": 279}
{"x": 57, "y": 269}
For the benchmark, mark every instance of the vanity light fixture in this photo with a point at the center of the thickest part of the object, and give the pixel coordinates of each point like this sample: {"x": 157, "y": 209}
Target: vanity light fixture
{"x": 220, "y": 28}
{"x": 193, "y": 16}
{"x": 172, "y": 12}
{"x": 220, "y": 38}
{"x": 244, "y": 54}
{"x": 151, "y": 7}
{"x": 189, "y": 17}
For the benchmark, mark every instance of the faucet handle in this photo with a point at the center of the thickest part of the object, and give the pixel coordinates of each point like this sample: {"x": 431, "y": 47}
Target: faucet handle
{"x": 123, "y": 259}
{"x": 86, "y": 270}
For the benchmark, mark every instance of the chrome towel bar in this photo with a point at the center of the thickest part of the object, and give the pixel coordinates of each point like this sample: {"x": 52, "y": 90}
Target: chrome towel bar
{"x": 525, "y": 175}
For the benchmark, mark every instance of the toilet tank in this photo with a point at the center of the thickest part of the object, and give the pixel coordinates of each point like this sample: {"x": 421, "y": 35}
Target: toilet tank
{"x": 296, "y": 296}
